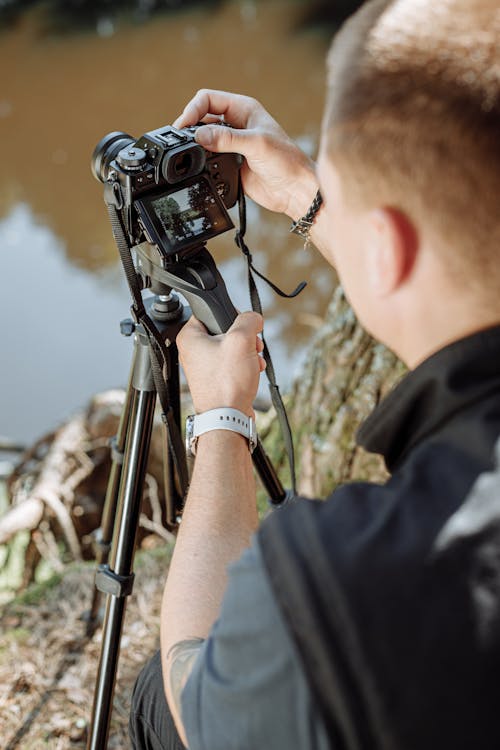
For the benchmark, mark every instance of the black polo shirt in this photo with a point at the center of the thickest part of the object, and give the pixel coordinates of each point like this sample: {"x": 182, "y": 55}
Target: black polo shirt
{"x": 367, "y": 621}
{"x": 389, "y": 607}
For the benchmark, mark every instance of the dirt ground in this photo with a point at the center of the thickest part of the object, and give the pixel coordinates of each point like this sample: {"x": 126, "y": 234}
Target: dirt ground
{"x": 48, "y": 667}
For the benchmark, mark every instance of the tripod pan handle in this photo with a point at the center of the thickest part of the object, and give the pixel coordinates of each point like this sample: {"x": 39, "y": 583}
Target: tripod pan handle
{"x": 199, "y": 280}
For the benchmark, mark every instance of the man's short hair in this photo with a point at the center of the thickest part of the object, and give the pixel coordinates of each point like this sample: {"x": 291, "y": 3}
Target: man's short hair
{"x": 413, "y": 118}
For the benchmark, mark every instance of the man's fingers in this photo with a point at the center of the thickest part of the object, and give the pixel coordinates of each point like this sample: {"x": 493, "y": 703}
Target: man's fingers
{"x": 243, "y": 335}
{"x": 250, "y": 323}
{"x": 235, "y": 108}
{"x": 217, "y": 138}
{"x": 193, "y": 329}
{"x": 212, "y": 119}
{"x": 195, "y": 326}
{"x": 247, "y": 323}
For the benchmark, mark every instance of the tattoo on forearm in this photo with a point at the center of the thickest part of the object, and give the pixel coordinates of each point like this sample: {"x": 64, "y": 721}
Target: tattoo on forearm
{"x": 180, "y": 660}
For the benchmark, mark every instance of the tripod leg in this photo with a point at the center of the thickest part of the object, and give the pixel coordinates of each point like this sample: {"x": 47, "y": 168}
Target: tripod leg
{"x": 104, "y": 534}
{"x": 117, "y": 579}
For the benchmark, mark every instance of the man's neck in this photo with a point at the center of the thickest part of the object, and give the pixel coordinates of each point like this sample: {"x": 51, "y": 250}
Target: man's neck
{"x": 434, "y": 332}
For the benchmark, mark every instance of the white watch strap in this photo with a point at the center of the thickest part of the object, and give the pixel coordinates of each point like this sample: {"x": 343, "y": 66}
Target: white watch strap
{"x": 223, "y": 418}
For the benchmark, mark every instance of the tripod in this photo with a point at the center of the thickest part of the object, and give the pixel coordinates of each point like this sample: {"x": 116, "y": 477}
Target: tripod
{"x": 198, "y": 279}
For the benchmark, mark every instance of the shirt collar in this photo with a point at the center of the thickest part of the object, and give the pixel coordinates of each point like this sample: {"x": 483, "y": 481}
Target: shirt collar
{"x": 446, "y": 382}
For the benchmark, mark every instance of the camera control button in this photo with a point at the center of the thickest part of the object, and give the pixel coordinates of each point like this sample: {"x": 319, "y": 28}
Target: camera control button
{"x": 131, "y": 157}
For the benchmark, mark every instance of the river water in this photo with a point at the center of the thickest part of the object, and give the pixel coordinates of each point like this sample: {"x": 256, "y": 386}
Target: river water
{"x": 62, "y": 291}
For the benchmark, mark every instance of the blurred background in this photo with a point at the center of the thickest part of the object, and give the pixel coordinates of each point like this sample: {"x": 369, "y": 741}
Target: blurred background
{"x": 73, "y": 71}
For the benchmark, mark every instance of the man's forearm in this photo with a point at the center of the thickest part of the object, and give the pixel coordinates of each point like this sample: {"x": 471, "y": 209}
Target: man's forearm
{"x": 219, "y": 518}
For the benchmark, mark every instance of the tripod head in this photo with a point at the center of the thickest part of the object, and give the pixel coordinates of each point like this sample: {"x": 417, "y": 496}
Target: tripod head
{"x": 196, "y": 277}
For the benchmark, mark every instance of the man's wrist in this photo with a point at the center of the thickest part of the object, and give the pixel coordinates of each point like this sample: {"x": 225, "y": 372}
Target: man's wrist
{"x": 230, "y": 443}
{"x": 223, "y": 436}
{"x": 304, "y": 190}
{"x": 304, "y": 225}
{"x": 222, "y": 419}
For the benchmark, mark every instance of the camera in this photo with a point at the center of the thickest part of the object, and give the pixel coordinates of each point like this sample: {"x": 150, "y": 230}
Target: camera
{"x": 171, "y": 192}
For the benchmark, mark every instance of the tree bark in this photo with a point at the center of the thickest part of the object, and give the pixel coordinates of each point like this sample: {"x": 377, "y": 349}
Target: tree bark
{"x": 346, "y": 374}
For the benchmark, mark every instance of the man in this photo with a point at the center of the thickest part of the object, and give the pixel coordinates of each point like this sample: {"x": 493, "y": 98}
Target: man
{"x": 362, "y": 621}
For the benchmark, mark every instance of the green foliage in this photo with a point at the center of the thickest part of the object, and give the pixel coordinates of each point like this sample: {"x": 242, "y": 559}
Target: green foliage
{"x": 15, "y": 635}
{"x": 71, "y": 15}
{"x": 328, "y": 16}
{"x": 163, "y": 553}
{"x": 12, "y": 558}
{"x": 35, "y": 593}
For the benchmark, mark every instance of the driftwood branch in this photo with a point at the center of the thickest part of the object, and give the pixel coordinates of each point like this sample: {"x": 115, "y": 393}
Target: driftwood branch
{"x": 27, "y": 515}
{"x": 58, "y": 488}
{"x": 58, "y": 476}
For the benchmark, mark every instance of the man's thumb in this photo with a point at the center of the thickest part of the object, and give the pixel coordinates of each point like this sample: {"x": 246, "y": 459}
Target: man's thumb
{"x": 216, "y": 138}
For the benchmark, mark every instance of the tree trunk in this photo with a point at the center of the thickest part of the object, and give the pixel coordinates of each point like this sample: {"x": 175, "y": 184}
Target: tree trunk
{"x": 345, "y": 376}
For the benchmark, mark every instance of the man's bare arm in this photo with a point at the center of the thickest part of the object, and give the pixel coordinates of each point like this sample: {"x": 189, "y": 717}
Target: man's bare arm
{"x": 179, "y": 663}
{"x": 220, "y": 513}
{"x": 219, "y": 519}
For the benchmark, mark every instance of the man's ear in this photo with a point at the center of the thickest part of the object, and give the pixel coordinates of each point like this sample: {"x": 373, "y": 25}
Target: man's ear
{"x": 392, "y": 247}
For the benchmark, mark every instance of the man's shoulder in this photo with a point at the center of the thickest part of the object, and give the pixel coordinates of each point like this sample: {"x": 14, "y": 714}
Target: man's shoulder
{"x": 363, "y": 522}
{"x": 417, "y": 529}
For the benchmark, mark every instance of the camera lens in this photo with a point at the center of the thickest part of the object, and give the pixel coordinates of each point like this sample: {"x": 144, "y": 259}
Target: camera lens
{"x": 106, "y": 150}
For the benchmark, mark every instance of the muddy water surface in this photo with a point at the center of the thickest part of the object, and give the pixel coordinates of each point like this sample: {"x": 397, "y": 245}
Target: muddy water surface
{"x": 62, "y": 293}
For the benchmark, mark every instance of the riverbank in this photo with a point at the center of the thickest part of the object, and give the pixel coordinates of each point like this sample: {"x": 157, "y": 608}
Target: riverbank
{"x": 48, "y": 666}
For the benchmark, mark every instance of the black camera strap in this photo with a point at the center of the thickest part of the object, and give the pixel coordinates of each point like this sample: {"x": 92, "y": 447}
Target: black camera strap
{"x": 157, "y": 350}
{"x": 274, "y": 390}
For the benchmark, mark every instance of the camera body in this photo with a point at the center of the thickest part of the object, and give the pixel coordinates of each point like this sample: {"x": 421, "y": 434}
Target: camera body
{"x": 171, "y": 192}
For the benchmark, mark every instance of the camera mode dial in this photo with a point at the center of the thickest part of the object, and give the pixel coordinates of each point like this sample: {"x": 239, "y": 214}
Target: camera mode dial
{"x": 131, "y": 158}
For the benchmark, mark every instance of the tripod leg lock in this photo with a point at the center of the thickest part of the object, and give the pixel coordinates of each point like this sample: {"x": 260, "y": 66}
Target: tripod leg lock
{"x": 111, "y": 583}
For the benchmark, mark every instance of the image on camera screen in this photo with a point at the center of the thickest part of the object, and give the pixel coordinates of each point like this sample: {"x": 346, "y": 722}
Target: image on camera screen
{"x": 188, "y": 213}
